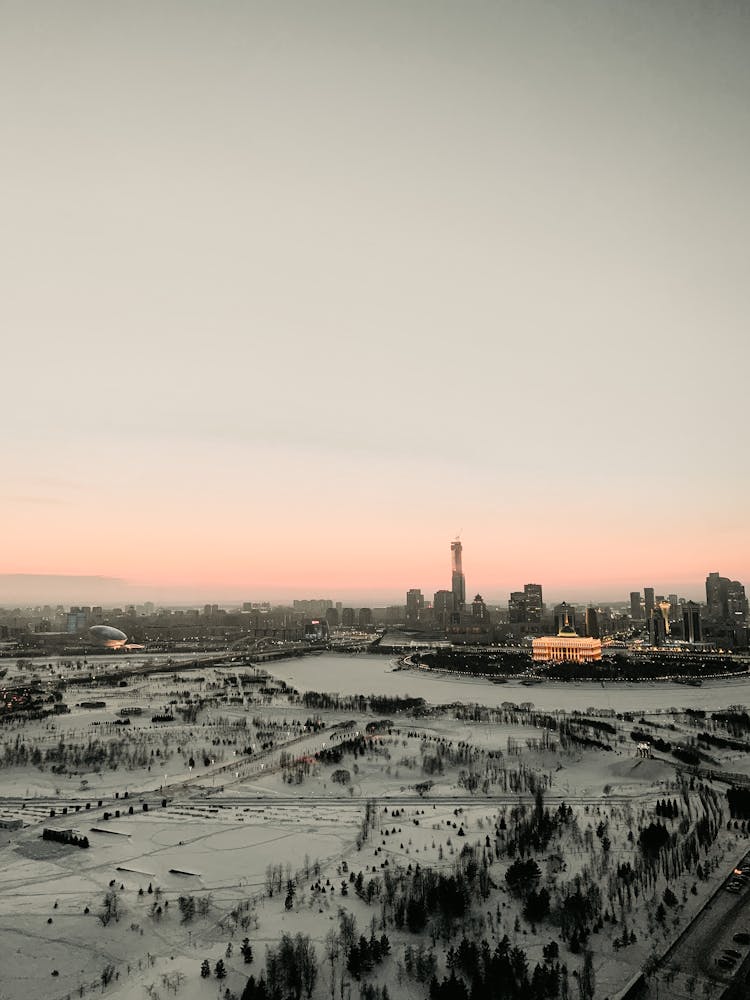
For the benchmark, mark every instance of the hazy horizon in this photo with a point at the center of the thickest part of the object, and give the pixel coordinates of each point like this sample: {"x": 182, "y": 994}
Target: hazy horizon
{"x": 34, "y": 590}
{"x": 293, "y": 293}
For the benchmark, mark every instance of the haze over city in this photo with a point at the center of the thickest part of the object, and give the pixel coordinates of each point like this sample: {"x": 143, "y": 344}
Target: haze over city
{"x": 294, "y": 293}
{"x": 30, "y": 589}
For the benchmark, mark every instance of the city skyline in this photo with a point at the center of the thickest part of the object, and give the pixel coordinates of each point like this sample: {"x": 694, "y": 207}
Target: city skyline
{"x": 29, "y": 589}
{"x": 295, "y": 292}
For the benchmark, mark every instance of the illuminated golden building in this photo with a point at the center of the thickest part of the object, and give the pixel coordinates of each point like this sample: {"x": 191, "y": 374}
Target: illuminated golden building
{"x": 566, "y": 647}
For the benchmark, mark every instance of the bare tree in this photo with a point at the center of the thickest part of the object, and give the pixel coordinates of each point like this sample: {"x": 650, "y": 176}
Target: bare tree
{"x": 332, "y": 953}
{"x": 586, "y": 981}
{"x": 308, "y": 962}
{"x": 110, "y": 909}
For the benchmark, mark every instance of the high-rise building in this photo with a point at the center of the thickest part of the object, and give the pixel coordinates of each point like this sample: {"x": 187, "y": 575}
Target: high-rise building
{"x": 365, "y": 617}
{"x": 442, "y": 607}
{"x": 657, "y": 627}
{"x": 332, "y": 617}
{"x": 725, "y": 599}
{"x": 663, "y": 606}
{"x": 592, "y": 623}
{"x": 414, "y": 606}
{"x": 691, "y": 622}
{"x": 534, "y": 603}
{"x": 716, "y": 596}
{"x": 517, "y": 608}
{"x": 737, "y": 606}
{"x": 565, "y": 614}
{"x": 479, "y": 612}
{"x": 76, "y": 620}
{"x": 635, "y": 606}
{"x": 648, "y": 601}
{"x": 526, "y": 607}
{"x": 458, "y": 581}
{"x": 347, "y": 617}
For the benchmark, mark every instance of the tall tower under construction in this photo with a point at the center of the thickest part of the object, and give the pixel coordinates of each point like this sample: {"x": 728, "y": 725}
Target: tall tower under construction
{"x": 458, "y": 582}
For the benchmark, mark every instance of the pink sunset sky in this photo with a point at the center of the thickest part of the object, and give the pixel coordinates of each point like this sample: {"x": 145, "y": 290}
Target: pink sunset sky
{"x": 295, "y": 293}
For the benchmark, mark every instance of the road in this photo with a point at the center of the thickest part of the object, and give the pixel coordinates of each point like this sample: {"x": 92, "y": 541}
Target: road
{"x": 689, "y": 969}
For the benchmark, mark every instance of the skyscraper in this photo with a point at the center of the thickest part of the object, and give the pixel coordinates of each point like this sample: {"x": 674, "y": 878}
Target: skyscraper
{"x": 674, "y": 607}
{"x": 691, "y": 622}
{"x": 442, "y": 607}
{"x": 635, "y": 606}
{"x": 657, "y": 627}
{"x": 414, "y": 606}
{"x": 737, "y": 606}
{"x": 565, "y": 614}
{"x": 458, "y": 582}
{"x": 663, "y": 606}
{"x": 526, "y": 607}
{"x": 517, "y": 608}
{"x": 479, "y": 612}
{"x": 716, "y": 596}
{"x": 726, "y": 599}
{"x": 534, "y": 603}
{"x": 649, "y": 602}
{"x": 592, "y": 623}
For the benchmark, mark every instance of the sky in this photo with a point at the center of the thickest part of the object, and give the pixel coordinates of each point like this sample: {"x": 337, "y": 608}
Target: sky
{"x": 294, "y": 293}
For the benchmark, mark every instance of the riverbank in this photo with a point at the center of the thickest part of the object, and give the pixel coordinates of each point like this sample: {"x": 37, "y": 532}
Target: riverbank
{"x": 683, "y": 679}
{"x": 353, "y": 675}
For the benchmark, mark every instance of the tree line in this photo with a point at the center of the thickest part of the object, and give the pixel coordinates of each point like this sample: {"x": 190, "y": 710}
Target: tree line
{"x": 65, "y": 837}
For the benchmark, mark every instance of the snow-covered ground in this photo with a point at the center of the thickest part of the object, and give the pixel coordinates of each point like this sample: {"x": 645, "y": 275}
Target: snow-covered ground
{"x": 375, "y": 674}
{"x": 437, "y": 786}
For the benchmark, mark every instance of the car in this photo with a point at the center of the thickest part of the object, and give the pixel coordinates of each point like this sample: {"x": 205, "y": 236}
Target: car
{"x": 726, "y": 963}
{"x": 741, "y": 937}
{"x": 733, "y": 888}
{"x": 732, "y": 953}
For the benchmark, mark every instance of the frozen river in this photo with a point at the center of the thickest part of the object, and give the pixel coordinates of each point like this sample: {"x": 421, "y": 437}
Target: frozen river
{"x": 365, "y": 674}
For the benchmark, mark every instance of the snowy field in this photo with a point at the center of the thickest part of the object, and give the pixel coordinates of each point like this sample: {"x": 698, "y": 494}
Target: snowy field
{"x": 294, "y": 821}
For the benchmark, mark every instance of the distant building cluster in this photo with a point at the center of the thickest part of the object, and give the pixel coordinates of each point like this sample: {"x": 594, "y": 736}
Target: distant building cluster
{"x": 578, "y": 634}
{"x": 669, "y": 619}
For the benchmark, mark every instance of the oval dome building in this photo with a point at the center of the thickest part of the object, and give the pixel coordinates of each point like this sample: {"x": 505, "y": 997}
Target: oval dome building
{"x": 107, "y": 636}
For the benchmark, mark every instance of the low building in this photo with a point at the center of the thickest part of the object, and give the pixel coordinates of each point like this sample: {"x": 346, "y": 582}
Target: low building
{"x": 566, "y": 647}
